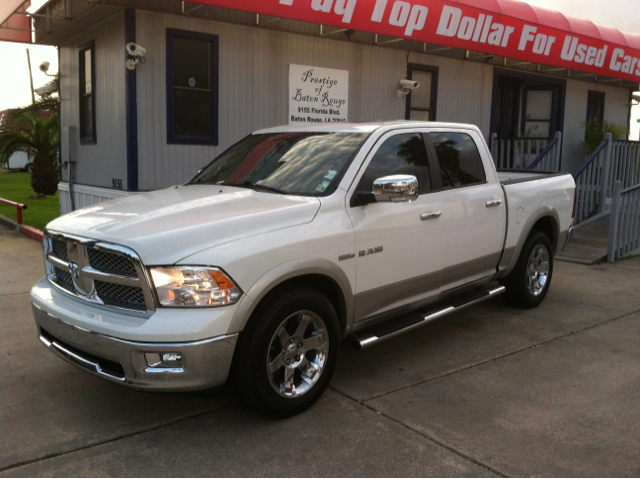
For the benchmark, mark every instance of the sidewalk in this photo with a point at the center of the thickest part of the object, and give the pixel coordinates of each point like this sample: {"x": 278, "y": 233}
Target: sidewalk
{"x": 490, "y": 391}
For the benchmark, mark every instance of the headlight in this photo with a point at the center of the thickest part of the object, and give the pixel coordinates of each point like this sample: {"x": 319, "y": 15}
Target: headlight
{"x": 178, "y": 286}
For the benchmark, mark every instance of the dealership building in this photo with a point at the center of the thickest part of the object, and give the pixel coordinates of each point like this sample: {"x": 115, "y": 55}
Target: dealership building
{"x": 152, "y": 90}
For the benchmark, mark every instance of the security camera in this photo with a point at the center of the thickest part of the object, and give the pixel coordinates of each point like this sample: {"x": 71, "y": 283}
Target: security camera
{"x": 46, "y": 90}
{"x": 44, "y": 67}
{"x": 410, "y": 84}
{"x": 135, "y": 50}
{"x": 407, "y": 86}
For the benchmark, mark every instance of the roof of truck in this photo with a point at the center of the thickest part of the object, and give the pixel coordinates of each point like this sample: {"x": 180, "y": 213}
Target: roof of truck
{"x": 366, "y": 127}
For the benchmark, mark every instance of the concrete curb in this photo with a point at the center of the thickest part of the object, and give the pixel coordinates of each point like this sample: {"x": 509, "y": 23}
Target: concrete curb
{"x": 28, "y": 231}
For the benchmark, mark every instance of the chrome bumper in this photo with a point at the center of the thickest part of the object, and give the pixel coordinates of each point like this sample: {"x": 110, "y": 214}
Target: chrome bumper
{"x": 186, "y": 366}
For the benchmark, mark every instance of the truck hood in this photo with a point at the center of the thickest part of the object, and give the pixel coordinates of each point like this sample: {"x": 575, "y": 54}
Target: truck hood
{"x": 167, "y": 225}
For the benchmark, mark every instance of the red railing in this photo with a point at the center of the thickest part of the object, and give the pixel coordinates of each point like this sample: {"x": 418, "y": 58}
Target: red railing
{"x": 19, "y": 207}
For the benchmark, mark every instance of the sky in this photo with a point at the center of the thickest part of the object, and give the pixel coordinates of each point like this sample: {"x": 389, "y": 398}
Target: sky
{"x": 14, "y": 78}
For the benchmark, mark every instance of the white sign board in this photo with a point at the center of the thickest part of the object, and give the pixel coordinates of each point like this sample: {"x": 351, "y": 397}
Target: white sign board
{"x": 317, "y": 95}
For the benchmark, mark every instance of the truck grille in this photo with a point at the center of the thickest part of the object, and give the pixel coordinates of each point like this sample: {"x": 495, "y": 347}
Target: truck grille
{"x": 111, "y": 263}
{"x": 98, "y": 272}
{"x": 64, "y": 279}
{"x": 121, "y": 296}
{"x": 60, "y": 249}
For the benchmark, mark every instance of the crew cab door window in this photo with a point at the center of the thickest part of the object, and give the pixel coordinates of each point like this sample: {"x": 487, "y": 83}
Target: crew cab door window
{"x": 459, "y": 159}
{"x": 399, "y": 155}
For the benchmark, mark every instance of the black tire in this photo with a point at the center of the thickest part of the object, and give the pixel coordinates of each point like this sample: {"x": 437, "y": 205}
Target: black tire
{"x": 273, "y": 333}
{"x": 527, "y": 287}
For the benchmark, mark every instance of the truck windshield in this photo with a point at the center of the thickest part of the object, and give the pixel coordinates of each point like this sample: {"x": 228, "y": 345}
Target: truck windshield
{"x": 295, "y": 163}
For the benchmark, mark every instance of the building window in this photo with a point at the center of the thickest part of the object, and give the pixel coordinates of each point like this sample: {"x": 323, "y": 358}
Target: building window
{"x": 421, "y": 103}
{"x": 595, "y": 107}
{"x": 86, "y": 66}
{"x": 192, "y": 88}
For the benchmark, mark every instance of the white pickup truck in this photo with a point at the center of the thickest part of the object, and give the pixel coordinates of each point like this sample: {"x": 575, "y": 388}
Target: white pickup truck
{"x": 289, "y": 241}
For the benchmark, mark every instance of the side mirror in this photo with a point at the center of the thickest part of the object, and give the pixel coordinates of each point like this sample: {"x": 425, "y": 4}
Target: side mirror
{"x": 395, "y": 188}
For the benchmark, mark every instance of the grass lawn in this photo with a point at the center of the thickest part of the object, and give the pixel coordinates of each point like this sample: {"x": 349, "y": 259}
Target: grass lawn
{"x": 16, "y": 186}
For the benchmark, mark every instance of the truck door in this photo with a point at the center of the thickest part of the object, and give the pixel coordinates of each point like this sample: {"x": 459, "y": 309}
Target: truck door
{"x": 398, "y": 253}
{"x": 471, "y": 202}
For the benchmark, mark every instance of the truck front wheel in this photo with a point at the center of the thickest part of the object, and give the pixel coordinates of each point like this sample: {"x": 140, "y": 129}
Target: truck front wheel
{"x": 287, "y": 354}
{"x": 528, "y": 283}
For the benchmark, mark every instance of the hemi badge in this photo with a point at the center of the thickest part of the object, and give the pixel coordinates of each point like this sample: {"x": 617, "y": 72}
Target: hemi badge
{"x": 342, "y": 257}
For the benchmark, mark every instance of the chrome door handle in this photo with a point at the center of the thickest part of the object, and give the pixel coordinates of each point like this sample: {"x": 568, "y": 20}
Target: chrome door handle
{"x": 491, "y": 203}
{"x": 431, "y": 215}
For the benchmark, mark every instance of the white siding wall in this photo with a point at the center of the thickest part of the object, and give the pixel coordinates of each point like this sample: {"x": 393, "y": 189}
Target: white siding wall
{"x": 86, "y": 196}
{"x": 616, "y": 109}
{"x": 253, "y": 82}
{"x": 98, "y": 164}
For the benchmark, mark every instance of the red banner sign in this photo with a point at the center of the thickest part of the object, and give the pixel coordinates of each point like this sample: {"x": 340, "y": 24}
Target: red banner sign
{"x": 457, "y": 25}
{"x": 15, "y": 26}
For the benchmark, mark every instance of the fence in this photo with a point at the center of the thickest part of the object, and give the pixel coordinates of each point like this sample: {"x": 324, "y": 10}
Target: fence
{"x": 613, "y": 160}
{"x": 520, "y": 153}
{"x": 624, "y": 224}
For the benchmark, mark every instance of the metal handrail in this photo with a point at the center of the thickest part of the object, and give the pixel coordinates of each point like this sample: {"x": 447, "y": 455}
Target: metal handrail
{"x": 592, "y": 157}
{"x": 19, "y": 207}
{"x": 543, "y": 153}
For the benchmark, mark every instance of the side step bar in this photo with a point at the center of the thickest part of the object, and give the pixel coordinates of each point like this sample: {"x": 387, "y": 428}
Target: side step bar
{"x": 378, "y": 333}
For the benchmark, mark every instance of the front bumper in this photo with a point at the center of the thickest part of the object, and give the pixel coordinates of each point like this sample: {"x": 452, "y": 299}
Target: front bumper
{"x": 197, "y": 364}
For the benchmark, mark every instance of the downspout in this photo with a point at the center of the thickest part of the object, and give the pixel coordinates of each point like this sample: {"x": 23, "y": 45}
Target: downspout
{"x": 70, "y": 160}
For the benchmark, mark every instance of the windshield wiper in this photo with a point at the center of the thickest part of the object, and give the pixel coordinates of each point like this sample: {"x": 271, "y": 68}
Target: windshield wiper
{"x": 255, "y": 186}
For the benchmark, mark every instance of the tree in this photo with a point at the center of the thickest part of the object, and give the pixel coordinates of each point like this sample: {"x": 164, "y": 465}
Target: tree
{"x": 36, "y": 135}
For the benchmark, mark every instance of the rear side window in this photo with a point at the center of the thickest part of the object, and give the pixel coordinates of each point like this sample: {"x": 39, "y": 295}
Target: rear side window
{"x": 399, "y": 155}
{"x": 459, "y": 159}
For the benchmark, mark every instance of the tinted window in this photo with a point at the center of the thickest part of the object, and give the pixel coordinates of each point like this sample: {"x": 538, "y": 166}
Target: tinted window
{"x": 399, "y": 155}
{"x": 459, "y": 159}
{"x": 309, "y": 164}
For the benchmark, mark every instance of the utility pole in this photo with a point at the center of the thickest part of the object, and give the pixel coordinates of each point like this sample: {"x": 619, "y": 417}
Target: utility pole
{"x": 33, "y": 95}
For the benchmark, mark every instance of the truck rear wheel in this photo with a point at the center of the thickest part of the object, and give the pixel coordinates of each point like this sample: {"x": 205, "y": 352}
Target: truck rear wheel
{"x": 286, "y": 356}
{"x": 528, "y": 283}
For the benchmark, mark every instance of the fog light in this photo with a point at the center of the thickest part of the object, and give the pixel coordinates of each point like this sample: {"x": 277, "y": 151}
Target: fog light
{"x": 164, "y": 360}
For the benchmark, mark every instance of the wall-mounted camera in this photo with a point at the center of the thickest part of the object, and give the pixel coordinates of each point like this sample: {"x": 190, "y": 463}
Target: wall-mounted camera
{"x": 406, "y": 86}
{"x": 137, "y": 52}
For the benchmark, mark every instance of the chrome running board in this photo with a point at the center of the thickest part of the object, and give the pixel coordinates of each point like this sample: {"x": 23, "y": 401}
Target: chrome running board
{"x": 374, "y": 335}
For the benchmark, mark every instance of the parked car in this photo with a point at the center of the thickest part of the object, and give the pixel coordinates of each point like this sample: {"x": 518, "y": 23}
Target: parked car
{"x": 291, "y": 240}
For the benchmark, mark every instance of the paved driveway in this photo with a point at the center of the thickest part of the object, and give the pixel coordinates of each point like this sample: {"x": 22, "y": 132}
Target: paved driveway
{"x": 490, "y": 391}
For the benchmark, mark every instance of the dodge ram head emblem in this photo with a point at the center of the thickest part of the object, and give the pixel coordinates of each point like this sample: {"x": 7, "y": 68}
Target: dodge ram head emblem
{"x": 74, "y": 269}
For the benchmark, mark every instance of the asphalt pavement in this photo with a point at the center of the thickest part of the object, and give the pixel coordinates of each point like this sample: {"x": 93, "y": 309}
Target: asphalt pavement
{"x": 489, "y": 391}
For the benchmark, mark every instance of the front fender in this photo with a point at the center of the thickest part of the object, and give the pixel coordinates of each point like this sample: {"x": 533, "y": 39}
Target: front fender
{"x": 286, "y": 271}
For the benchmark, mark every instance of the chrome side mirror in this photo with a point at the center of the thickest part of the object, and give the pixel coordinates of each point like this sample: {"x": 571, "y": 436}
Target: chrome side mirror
{"x": 395, "y": 188}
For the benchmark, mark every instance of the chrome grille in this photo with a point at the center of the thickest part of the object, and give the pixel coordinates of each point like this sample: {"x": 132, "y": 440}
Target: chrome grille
{"x": 64, "y": 279}
{"x": 100, "y": 273}
{"x": 60, "y": 249}
{"x": 120, "y": 295}
{"x": 111, "y": 263}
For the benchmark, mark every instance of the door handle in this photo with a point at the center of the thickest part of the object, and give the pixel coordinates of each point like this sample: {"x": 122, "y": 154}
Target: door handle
{"x": 491, "y": 203}
{"x": 430, "y": 215}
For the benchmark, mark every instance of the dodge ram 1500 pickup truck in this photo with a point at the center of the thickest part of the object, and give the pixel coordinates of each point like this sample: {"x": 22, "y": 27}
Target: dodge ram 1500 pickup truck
{"x": 291, "y": 240}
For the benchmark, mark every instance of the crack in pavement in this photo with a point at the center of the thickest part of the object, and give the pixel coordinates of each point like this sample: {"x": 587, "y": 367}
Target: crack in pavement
{"x": 363, "y": 402}
{"x": 13, "y": 294}
{"x": 421, "y": 434}
{"x": 108, "y": 441}
{"x": 505, "y": 355}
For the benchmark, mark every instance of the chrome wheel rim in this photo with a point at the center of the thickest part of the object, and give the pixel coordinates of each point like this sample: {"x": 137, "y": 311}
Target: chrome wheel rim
{"x": 538, "y": 270}
{"x": 297, "y": 354}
